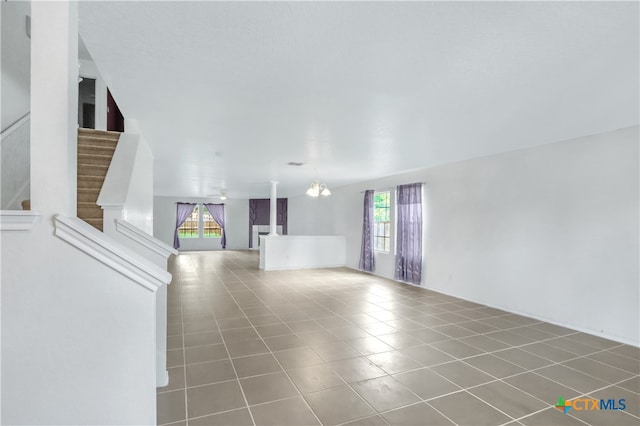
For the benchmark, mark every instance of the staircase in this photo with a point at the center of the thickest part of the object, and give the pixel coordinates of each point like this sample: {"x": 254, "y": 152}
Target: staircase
{"x": 95, "y": 150}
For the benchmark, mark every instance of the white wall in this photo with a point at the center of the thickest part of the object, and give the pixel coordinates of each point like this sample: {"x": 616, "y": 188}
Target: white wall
{"x": 15, "y": 93}
{"x": 78, "y": 338}
{"x": 286, "y": 252}
{"x": 310, "y": 216}
{"x": 16, "y": 61}
{"x": 127, "y": 192}
{"x": 236, "y": 217}
{"x": 138, "y": 208}
{"x": 550, "y": 232}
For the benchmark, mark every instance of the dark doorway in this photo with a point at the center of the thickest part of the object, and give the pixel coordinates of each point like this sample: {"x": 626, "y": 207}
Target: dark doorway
{"x": 87, "y": 103}
{"x": 88, "y": 116}
{"x": 115, "y": 120}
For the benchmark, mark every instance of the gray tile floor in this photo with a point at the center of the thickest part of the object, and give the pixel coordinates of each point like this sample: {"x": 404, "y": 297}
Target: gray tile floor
{"x": 336, "y": 346}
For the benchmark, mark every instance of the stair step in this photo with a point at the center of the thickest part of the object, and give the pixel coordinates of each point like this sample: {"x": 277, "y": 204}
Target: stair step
{"x": 89, "y": 212}
{"x": 94, "y": 148}
{"x": 88, "y": 195}
{"x": 85, "y": 141}
{"x": 89, "y": 166}
{"x": 90, "y": 181}
{"x": 95, "y": 151}
{"x": 88, "y": 204}
{"x": 98, "y": 159}
{"x": 93, "y": 170}
{"x": 98, "y": 133}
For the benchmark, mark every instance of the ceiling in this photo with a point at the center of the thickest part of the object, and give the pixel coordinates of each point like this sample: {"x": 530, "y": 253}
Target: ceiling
{"x": 227, "y": 93}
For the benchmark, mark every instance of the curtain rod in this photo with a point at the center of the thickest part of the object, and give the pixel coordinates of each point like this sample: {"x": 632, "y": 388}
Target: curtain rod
{"x": 391, "y": 188}
{"x": 182, "y": 202}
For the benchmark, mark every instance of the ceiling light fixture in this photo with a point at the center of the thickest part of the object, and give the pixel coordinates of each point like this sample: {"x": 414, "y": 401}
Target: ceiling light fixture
{"x": 223, "y": 195}
{"x": 316, "y": 189}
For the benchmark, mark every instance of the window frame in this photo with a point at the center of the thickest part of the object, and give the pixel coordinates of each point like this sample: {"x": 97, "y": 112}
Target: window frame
{"x": 389, "y": 229}
{"x": 196, "y": 211}
{"x": 200, "y": 210}
{"x": 205, "y": 211}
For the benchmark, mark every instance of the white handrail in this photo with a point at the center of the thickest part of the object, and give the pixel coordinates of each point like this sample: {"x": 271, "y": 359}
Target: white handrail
{"x": 113, "y": 254}
{"x": 148, "y": 241}
{"x": 16, "y": 124}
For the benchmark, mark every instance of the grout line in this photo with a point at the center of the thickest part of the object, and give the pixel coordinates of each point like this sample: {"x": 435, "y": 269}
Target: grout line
{"x": 280, "y": 365}
{"x": 324, "y": 302}
{"x": 357, "y": 393}
{"x": 301, "y": 394}
{"x": 184, "y": 354}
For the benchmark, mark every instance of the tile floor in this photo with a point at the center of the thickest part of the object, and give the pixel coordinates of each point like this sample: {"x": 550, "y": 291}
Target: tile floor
{"x": 336, "y": 346}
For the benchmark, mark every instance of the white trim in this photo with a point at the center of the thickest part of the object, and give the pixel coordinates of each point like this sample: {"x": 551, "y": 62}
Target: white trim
{"x": 163, "y": 380}
{"x": 108, "y": 251}
{"x": 18, "y": 220}
{"x": 16, "y": 125}
{"x": 148, "y": 241}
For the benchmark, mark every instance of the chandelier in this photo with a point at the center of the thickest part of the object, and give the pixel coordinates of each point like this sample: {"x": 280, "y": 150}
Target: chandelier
{"x": 316, "y": 189}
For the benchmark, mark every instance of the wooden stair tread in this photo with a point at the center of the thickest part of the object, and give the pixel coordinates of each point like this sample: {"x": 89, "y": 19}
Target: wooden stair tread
{"x": 99, "y": 137}
{"x": 93, "y": 169}
{"x": 96, "y": 149}
{"x": 110, "y": 143}
{"x": 97, "y": 166}
{"x": 93, "y": 132}
{"x": 94, "y": 155}
{"x": 97, "y": 142}
{"x": 88, "y": 177}
{"x": 95, "y": 152}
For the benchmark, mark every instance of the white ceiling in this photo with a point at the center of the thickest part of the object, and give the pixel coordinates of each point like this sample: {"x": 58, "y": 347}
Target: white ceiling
{"x": 227, "y": 93}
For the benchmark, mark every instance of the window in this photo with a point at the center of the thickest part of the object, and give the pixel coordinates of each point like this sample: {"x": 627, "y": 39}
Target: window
{"x": 189, "y": 229}
{"x": 200, "y": 225}
{"x": 210, "y": 228}
{"x": 382, "y": 221}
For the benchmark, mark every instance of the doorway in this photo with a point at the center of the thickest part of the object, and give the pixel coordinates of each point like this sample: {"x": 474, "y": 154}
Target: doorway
{"x": 115, "y": 120}
{"x": 87, "y": 103}
{"x": 87, "y": 108}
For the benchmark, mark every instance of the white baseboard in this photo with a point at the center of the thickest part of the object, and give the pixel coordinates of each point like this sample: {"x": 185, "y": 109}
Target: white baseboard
{"x": 163, "y": 380}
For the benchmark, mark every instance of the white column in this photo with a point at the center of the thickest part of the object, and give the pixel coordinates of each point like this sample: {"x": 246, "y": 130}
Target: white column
{"x": 273, "y": 212}
{"x": 54, "y": 107}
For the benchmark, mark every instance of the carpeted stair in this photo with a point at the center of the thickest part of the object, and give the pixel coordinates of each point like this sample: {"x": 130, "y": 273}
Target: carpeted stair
{"x": 95, "y": 150}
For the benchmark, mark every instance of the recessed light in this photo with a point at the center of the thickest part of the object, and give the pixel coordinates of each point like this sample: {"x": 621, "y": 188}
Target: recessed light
{"x": 294, "y": 163}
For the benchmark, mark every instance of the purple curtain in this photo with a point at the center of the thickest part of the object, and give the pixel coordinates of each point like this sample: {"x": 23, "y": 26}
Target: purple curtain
{"x": 253, "y": 217}
{"x": 367, "y": 260}
{"x": 217, "y": 213}
{"x": 409, "y": 234}
{"x": 259, "y": 211}
{"x": 281, "y": 214}
{"x": 182, "y": 213}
